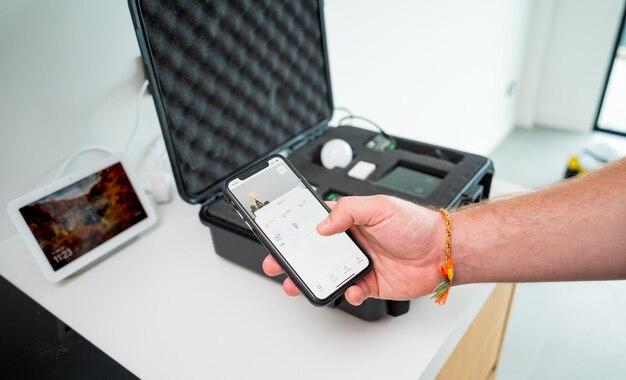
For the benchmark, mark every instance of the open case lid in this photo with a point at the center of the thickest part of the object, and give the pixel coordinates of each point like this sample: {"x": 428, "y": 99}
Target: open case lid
{"x": 232, "y": 81}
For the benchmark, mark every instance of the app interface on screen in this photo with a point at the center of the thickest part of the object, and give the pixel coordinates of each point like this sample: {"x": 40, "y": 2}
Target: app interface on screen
{"x": 287, "y": 213}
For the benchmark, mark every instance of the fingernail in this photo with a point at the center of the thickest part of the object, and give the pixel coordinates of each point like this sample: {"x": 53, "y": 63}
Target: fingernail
{"x": 323, "y": 225}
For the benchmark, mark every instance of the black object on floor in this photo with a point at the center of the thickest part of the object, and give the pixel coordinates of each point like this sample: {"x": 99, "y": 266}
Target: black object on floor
{"x": 34, "y": 344}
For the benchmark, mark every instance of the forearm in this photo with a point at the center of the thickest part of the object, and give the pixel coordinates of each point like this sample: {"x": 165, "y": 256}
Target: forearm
{"x": 572, "y": 231}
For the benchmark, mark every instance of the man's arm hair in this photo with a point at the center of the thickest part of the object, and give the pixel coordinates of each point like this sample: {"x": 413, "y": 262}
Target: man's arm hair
{"x": 575, "y": 230}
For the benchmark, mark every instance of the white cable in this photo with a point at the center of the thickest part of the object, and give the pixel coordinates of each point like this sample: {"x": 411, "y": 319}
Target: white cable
{"x": 74, "y": 156}
{"x": 142, "y": 92}
{"x": 104, "y": 149}
{"x": 152, "y": 149}
{"x": 341, "y": 109}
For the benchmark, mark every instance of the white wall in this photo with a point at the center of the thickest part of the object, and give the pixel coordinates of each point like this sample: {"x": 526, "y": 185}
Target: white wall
{"x": 434, "y": 71}
{"x": 437, "y": 71}
{"x": 567, "y": 61}
{"x": 69, "y": 78}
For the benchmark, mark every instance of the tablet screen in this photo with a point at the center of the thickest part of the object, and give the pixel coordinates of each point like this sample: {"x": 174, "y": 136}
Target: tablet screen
{"x": 79, "y": 217}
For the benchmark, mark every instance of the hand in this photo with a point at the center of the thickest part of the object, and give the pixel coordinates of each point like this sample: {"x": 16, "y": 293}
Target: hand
{"x": 406, "y": 243}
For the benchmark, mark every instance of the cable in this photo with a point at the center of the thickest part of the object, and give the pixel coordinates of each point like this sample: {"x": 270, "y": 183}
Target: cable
{"x": 343, "y": 109}
{"x": 142, "y": 92}
{"x": 155, "y": 149}
{"x": 370, "y": 122}
{"x": 104, "y": 149}
{"x": 74, "y": 156}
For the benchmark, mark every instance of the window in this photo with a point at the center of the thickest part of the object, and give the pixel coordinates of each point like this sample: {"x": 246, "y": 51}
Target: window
{"x": 612, "y": 110}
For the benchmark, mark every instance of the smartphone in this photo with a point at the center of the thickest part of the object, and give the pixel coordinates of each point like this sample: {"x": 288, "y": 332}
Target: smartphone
{"x": 282, "y": 210}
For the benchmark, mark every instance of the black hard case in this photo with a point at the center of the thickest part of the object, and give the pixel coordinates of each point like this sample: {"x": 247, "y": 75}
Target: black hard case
{"x": 235, "y": 81}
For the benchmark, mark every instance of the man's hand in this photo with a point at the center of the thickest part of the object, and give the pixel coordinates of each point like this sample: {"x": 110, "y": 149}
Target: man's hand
{"x": 406, "y": 243}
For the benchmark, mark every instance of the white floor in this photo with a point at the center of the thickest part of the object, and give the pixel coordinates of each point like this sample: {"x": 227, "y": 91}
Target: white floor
{"x": 536, "y": 157}
{"x": 558, "y": 330}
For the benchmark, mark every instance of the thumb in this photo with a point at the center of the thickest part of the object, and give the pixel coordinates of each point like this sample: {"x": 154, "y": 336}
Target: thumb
{"x": 351, "y": 211}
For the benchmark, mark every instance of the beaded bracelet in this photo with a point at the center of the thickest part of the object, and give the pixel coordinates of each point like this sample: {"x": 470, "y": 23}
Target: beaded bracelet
{"x": 446, "y": 271}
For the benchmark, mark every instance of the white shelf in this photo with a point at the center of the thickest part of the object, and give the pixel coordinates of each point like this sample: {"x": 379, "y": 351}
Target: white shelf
{"x": 168, "y": 307}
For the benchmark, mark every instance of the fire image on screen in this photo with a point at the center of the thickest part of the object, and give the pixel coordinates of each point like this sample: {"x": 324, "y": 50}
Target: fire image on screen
{"x": 72, "y": 221}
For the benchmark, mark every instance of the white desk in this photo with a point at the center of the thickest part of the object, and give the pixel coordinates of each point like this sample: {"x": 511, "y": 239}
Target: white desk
{"x": 168, "y": 307}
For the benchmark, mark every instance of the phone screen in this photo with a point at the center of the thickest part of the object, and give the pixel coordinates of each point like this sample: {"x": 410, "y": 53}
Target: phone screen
{"x": 287, "y": 212}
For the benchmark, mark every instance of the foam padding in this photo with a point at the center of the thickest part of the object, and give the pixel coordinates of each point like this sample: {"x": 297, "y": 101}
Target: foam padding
{"x": 238, "y": 79}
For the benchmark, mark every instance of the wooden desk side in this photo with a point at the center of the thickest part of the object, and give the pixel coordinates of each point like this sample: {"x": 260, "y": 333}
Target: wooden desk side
{"x": 476, "y": 355}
